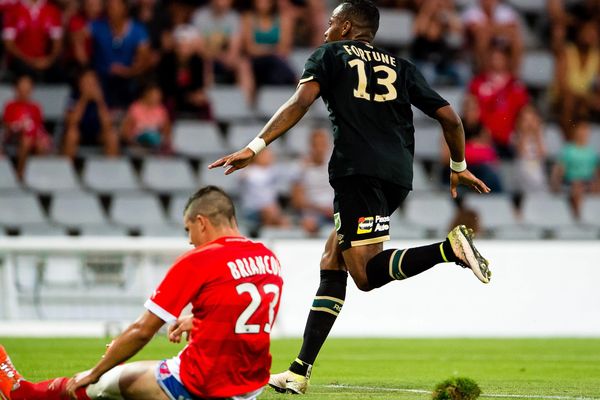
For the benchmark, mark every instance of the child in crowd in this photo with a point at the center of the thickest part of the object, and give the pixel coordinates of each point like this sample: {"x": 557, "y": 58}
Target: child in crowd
{"x": 147, "y": 123}
{"x": 578, "y": 167}
{"x": 24, "y": 124}
{"x": 530, "y": 151}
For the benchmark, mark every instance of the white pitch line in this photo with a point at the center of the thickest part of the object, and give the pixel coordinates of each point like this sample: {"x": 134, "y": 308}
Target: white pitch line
{"x": 493, "y": 395}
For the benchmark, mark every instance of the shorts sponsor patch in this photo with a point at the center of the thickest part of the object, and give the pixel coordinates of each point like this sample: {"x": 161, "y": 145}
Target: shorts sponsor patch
{"x": 337, "y": 221}
{"x": 365, "y": 225}
{"x": 382, "y": 224}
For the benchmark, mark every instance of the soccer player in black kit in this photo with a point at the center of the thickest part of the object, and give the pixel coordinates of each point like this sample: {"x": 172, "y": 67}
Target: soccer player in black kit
{"x": 369, "y": 93}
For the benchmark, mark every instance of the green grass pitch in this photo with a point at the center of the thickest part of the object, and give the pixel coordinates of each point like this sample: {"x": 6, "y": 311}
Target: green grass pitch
{"x": 553, "y": 369}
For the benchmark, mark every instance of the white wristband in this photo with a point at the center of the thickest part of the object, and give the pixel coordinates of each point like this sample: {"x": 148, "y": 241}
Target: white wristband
{"x": 458, "y": 166}
{"x": 257, "y": 145}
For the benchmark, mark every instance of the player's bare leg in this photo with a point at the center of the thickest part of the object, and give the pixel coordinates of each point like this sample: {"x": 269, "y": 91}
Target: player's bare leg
{"x": 326, "y": 306}
{"x": 134, "y": 381}
{"x": 371, "y": 267}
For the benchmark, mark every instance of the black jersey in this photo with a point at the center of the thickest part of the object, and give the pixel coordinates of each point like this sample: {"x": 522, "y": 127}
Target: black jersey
{"x": 369, "y": 93}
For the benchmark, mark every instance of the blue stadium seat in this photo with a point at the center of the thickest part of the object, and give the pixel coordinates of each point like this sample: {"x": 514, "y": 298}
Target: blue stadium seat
{"x": 168, "y": 175}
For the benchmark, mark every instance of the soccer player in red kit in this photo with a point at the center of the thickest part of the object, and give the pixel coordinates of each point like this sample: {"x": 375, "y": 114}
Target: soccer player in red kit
{"x": 234, "y": 286}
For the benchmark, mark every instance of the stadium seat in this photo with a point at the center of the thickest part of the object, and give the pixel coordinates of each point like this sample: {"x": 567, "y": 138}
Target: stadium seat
{"x": 518, "y": 232}
{"x": 590, "y": 211}
{"x": 546, "y": 211}
{"x": 20, "y": 209}
{"x": 432, "y": 211}
{"x": 8, "y": 178}
{"x": 494, "y": 210}
{"x": 402, "y": 229}
{"x": 198, "y": 139}
{"x": 53, "y": 100}
{"x": 298, "y": 58}
{"x": 229, "y": 103}
{"x": 165, "y": 230}
{"x": 168, "y": 175}
{"x": 109, "y": 175}
{"x": 576, "y": 232}
{"x": 270, "y": 98}
{"x": 428, "y": 142}
{"x": 105, "y": 230}
{"x": 43, "y": 229}
{"x": 318, "y": 110}
{"x": 50, "y": 174}
{"x": 595, "y": 137}
{"x": 509, "y": 177}
{"x": 175, "y": 209}
{"x": 529, "y": 6}
{"x": 6, "y": 95}
{"x": 76, "y": 209}
{"x": 537, "y": 68}
{"x": 554, "y": 140}
{"x": 421, "y": 180}
{"x": 453, "y": 95}
{"x": 229, "y": 183}
{"x": 297, "y": 139}
{"x": 241, "y": 134}
{"x": 269, "y": 232}
{"x": 135, "y": 210}
{"x": 395, "y": 28}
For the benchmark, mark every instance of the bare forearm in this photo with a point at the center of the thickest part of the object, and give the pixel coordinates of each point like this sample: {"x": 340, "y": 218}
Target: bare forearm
{"x": 124, "y": 347}
{"x": 285, "y": 118}
{"x": 453, "y": 132}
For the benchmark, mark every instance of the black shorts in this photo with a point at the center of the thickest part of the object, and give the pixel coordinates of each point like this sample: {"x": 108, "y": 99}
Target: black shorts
{"x": 362, "y": 209}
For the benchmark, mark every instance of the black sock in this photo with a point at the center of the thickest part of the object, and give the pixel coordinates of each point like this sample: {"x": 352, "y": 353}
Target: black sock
{"x": 326, "y": 306}
{"x": 395, "y": 264}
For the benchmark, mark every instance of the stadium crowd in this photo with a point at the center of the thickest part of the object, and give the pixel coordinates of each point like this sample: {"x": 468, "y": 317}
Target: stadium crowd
{"x": 525, "y": 77}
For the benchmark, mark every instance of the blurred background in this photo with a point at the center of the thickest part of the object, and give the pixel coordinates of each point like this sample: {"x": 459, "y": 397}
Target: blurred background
{"x": 113, "y": 109}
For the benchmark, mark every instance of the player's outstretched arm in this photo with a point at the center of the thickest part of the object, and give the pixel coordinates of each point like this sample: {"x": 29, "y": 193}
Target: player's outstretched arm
{"x": 128, "y": 344}
{"x": 285, "y": 118}
{"x": 455, "y": 138}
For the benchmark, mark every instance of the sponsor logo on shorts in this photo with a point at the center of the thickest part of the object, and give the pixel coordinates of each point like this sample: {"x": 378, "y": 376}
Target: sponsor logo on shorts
{"x": 382, "y": 224}
{"x": 365, "y": 225}
{"x": 337, "y": 221}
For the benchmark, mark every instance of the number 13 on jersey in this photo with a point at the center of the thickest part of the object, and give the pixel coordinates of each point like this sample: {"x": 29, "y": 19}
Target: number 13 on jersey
{"x": 387, "y": 81}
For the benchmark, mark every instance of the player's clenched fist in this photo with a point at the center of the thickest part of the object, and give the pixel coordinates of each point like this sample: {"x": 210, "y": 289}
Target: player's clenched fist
{"x": 181, "y": 326}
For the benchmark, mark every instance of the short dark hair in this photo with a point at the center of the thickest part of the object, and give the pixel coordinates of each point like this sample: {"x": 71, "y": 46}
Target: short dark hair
{"x": 364, "y": 13}
{"x": 213, "y": 203}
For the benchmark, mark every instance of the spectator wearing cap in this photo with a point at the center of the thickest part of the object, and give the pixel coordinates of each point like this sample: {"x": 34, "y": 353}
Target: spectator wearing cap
{"x": 181, "y": 75}
{"x": 32, "y": 35}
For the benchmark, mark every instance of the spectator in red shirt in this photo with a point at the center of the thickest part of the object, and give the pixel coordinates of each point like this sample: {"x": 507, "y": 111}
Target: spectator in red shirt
{"x": 32, "y": 35}
{"x": 23, "y": 124}
{"x": 500, "y": 96}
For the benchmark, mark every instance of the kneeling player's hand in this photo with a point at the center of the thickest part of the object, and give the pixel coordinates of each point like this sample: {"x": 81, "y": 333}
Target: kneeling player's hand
{"x": 468, "y": 179}
{"x": 181, "y": 326}
{"x": 234, "y": 161}
{"x": 79, "y": 381}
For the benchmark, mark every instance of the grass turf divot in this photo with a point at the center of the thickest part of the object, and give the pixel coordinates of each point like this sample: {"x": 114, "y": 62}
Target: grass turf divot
{"x": 456, "y": 389}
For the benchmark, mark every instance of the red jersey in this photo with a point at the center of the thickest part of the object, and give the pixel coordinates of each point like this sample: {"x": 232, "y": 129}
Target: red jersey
{"x": 24, "y": 117}
{"x": 499, "y": 104}
{"x": 234, "y": 286}
{"x": 32, "y": 26}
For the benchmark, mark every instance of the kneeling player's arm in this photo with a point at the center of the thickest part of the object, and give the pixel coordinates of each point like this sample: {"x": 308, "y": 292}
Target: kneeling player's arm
{"x": 129, "y": 343}
{"x": 291, "y": 112}
{"x": 453, "y": 132}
